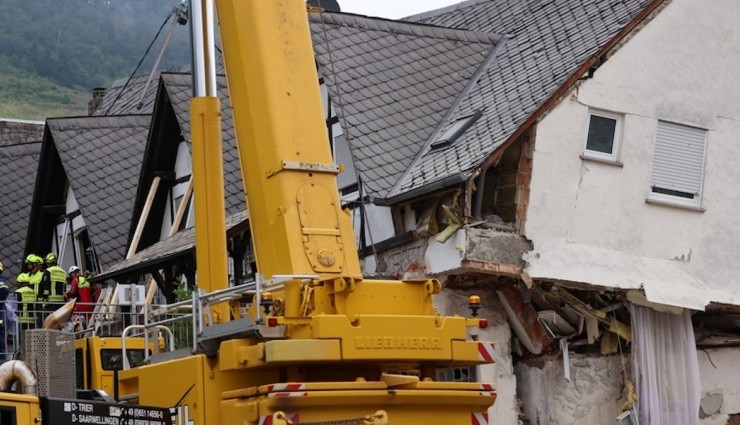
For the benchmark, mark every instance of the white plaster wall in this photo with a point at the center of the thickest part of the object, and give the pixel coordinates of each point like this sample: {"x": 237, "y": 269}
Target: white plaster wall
{"x": 501, "y": 373}
{"x": 443, "y": 256}
{"x": 719, "y": 368}
{"x": 450, "y": 302}
{"x": 183, "y": 167}
{"x": 589, "y": 221}
{"x": 592, "y": 397}
{"x": 379, "y": 223}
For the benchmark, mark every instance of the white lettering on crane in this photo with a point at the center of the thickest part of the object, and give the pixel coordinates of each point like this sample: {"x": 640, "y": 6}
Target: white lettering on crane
{"x": 181, "y": 415}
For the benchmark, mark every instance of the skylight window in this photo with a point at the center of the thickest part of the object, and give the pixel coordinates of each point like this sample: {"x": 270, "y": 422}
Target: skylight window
{"x": 456, "y": 130}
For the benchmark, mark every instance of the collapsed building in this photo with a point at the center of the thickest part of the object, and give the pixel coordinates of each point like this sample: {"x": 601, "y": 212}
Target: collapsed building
{"x": 569, "y": 162}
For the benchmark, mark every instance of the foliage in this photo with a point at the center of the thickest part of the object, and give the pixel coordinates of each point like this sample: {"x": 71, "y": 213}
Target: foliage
{"x": 80, "y": 45}
{"x": 27, "y": 96}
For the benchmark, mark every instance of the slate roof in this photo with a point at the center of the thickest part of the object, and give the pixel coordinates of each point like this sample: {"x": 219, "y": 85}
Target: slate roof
{"x": 547, "y": 41}
{"x": 123, "y": 96}
{"x": 20, "y": 162}
{"x": 102, "y": 159}
{"x": 178, "y": 88}
{"x": 20, "y": 131}
{"x": 180, "y": 244}
{"x": 393, "y": 83}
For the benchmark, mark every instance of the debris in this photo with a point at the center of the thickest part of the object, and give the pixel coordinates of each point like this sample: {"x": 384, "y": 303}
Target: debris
{"x": 592, "y": 328}
{"x": 620, "y": 329}
{"x": 639, "y": 298}
{"x": 527, "y": 279}
{"x": 609, "y": 343}
{"x": 454, "y": 224}
{"x": 566, "y": 358}
{"x": 523, "y": 319}
{"x": 555, "y": 325}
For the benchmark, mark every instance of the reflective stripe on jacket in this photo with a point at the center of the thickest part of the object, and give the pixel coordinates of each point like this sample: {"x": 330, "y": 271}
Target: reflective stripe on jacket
{"x": 27, "y": 299}
{"x": 58, "y": 280}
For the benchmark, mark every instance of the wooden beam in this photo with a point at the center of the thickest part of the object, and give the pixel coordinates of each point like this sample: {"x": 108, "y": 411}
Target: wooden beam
{"x": 182, "y": 208}
{"x": 144, "y": 215}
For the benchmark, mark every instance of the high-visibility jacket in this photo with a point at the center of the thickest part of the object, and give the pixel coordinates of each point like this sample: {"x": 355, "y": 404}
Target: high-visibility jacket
{"x": 27, "y": 299}
{"x": 54, "y": 283}
{"x": 35, "y": 280}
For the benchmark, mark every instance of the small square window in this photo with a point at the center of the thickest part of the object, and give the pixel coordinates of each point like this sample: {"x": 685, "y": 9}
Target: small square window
{"x": 602, "y": 137}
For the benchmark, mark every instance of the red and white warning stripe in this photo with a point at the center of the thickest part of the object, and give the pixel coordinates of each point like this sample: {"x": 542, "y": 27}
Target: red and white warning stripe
{"x": 485, "y": 351}
{"x": 267, "y": 420}
{"x": 479, "y": 418}
{"x": 487, "y": 390}
{"x": 286, "y": 387}
{"x": 286, "y": 390}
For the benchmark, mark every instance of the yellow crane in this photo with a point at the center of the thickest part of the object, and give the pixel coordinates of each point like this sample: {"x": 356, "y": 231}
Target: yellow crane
{"x": 312, "y": 342}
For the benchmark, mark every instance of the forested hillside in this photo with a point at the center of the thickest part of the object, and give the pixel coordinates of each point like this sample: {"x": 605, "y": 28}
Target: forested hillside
{"x": 53, "y": 52}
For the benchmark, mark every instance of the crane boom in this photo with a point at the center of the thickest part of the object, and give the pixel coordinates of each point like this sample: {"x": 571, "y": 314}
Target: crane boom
{"x": 297, "y": 223}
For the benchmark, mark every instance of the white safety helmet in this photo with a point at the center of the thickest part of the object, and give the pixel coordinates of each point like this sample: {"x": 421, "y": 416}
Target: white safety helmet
{"x": 73, "y": 269}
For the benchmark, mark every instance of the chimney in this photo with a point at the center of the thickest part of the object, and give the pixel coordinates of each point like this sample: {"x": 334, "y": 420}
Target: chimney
{"x": 97, "y": 99}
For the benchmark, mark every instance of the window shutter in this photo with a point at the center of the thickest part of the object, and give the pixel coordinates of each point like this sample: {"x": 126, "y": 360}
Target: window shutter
{"x": 343, "y": 156}
{"x": 679, "y": 158}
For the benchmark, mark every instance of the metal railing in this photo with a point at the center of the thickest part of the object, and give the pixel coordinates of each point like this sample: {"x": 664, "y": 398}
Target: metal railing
{"x": 93, "y": 319}
{"x": 184, "y": 320}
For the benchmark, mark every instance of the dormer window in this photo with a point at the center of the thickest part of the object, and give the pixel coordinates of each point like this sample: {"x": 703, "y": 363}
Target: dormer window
{"x": 454, "y": 131}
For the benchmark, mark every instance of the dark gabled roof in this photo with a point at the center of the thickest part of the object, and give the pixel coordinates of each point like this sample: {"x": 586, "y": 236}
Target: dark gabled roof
{"x": 547, "y": 42}
{"x": 19, "y": 162}
{"x": 178, "y": 89}
{"x": 393, "y": 83}
{"x": 178, "y": 245}
{"x": 102, "y": 160}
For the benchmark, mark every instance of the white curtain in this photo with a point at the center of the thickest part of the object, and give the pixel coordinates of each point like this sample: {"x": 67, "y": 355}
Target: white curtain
{"x": 666, "y": 367}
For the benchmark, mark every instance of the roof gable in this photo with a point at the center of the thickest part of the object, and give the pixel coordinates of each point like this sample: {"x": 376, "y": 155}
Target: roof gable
{"x": 393, "y": 83}
{"x": 102, "y": 159}
{"x": 178, "y": 88}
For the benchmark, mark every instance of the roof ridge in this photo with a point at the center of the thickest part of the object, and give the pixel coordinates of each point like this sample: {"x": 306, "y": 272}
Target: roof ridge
{"x": 10, "y": 145}
{"x": 442, "y": 10}
{"x": 403, "y": 27}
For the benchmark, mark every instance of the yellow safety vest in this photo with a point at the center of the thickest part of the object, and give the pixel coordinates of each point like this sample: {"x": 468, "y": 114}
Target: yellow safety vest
{"x": 27, "y": 298}
{"x": 35, "y": 280}
{"x": 58, "y": 278}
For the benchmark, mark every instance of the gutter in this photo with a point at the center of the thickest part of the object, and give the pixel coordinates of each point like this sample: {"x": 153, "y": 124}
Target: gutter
{"x": 423, "y": 190}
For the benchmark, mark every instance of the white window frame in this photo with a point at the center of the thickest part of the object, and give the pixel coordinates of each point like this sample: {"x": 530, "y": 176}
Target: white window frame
{"x": 616, "y": 142}
{"x": 664, "y": 198}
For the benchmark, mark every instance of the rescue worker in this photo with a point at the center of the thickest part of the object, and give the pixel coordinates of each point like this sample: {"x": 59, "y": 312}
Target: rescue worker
{"x": 35, "y": 273}
{"x": 53, "y": 283}
{"x": 23, "y": 276}
{"x": 26, "y": 298}
{"x": 4, "y": 292}
{"x": 80, "y": 288}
